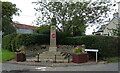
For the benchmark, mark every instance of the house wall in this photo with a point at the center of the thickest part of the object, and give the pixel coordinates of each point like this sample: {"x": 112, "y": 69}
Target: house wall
{"x": 112, "y": 25}
{"x": 20, "y": 30}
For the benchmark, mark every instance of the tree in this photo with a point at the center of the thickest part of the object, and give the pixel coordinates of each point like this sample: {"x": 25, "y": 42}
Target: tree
{"x": 71, "y": 15}
{"x": 43, "y": 29}
{"x": 8, "y": 10}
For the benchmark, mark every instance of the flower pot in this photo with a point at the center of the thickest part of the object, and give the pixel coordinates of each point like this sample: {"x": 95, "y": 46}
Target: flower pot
{"x": 80, "y": 58}
{"x": 20, "y": 57}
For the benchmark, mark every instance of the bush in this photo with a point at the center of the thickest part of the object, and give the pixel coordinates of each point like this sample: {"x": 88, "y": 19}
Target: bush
{"x": 43, "y": 29}
{"x": 6, "y": 41}
{"x": 61, "y": 37}
{"x": 108, "y": 46}
{"x": 29, "y": 39}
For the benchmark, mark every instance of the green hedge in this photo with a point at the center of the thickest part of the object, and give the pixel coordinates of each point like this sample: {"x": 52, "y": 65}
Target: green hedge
{"x": 29, "y": 39}
{"x": 7, "y": 40}
{"x": 108, "y": 46}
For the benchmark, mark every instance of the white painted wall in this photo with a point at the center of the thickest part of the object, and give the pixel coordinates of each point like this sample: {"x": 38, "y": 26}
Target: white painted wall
{"x": 111, "y": 25}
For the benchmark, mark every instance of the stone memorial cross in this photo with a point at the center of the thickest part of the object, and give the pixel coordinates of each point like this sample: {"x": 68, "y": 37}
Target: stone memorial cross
{"x": 53, "y": 47}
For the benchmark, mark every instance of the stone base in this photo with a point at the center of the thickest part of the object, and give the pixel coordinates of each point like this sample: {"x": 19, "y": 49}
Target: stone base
{"x": 52, "y": 56}
{"x": 53, "y": 49}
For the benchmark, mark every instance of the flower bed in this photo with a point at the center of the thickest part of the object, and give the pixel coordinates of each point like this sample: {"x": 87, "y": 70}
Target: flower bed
{"x": 79, "y": 55}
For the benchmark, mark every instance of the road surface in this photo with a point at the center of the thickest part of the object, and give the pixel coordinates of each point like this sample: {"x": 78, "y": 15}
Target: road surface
{"x": 96, "y": 67}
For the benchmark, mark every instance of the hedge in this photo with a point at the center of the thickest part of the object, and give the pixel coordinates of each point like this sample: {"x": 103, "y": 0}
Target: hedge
{"x": 7, "y": 40}
{"x": 29, "y": 39}
{"x": 108, "y": 46}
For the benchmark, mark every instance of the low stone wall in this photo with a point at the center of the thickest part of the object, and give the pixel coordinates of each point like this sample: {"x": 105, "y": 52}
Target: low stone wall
{"x": 65, "y": 48}
{"x": 33, "y": 50}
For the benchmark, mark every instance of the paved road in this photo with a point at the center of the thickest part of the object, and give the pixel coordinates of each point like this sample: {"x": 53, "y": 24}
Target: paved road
{"x": 96, "y": 67}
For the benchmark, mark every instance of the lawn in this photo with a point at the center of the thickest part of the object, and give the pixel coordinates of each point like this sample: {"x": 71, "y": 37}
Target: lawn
{"x": 113, "y": 59}
{"x": 6, "y": 55}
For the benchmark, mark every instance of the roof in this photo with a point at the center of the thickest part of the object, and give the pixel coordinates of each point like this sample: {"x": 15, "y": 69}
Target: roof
{"x": 25, "y": 26}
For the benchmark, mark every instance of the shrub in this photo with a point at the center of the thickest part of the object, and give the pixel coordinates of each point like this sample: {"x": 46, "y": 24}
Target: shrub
{"x": 43, "y": 29}
{"x": 61, "y": 37}
{"x": 29, "y": 39}
{"x": 107, "y": 45}
{"x": 6, "y": 41}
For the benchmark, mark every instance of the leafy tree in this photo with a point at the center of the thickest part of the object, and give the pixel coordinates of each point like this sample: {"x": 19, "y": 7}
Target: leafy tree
{"x": 71, "y": 16}
{"x": 8, "y": 10}
{"x": 43, "y": 29}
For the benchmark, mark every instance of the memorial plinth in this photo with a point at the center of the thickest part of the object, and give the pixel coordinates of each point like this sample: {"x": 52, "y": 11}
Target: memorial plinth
{"x": 53, "y": 47}
{"x": 52, "y": 54}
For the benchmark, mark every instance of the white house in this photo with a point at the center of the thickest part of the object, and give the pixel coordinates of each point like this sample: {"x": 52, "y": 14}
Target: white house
{"x": 22, "y": 28}
{"x": 112, "y": 26}
{"x": 109, "y": 29}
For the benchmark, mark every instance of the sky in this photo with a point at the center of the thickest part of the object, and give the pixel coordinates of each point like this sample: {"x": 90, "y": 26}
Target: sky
{"x": 27, "y": 16}
{"x": 28, "y": 13}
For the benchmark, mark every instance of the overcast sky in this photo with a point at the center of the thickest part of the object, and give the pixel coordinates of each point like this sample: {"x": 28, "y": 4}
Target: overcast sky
{"x": 27, "y": 16}
{"x": 28, "y": 13}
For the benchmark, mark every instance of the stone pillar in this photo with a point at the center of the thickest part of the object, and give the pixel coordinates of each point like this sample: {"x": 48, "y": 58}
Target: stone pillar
{"x": 53, "y": 47}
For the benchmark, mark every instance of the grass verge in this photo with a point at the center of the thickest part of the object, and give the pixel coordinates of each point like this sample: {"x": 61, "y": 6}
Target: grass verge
{"x": 113, "y": 59}
{"x": 6, "y": 55}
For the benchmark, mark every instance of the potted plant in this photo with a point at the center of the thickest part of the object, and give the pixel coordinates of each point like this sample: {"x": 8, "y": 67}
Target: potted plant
{"x": 79, "y": 55}
{"x": 20, "y": 55}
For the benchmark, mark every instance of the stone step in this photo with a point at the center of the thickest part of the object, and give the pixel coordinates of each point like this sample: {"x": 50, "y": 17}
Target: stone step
{"x": 51, "y": 57}
{"x": 47, "y": 60}
{"x": 51, "y": 53}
